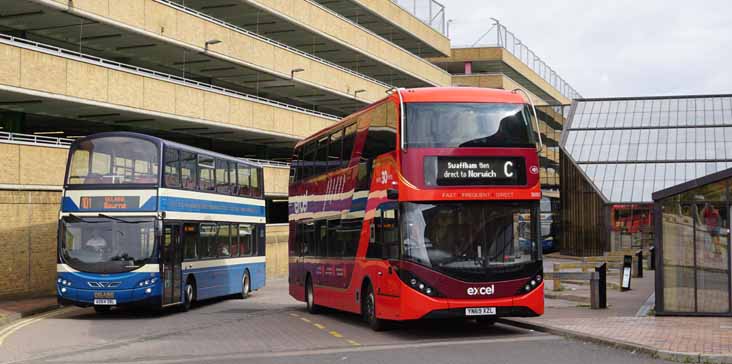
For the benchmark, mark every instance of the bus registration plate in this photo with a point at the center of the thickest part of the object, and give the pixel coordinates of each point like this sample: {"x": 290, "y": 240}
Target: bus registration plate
{"x": 105, "y": 301}
{"x": 104, "y": 298}
{"x": 480, "y": 311}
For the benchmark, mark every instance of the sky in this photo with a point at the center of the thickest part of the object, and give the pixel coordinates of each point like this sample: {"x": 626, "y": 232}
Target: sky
{"x": 616, "y": 47}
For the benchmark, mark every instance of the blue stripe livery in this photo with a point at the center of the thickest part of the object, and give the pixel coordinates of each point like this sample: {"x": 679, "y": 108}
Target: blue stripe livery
{"x": 181, "y": 204}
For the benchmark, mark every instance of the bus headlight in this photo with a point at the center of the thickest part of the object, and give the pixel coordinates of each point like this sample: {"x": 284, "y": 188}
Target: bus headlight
{"x": 415, "y": 283}
{"x": 63, "y": 290}
{"x": 147, "y": 282}
{"x": 531, "y": 284}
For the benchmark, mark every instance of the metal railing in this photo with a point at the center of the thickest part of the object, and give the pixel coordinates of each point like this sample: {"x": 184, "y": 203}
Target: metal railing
{"x": 34, "y": 139}
{"x": 28, "y": 44}
{"x": 66, "y": 142}
{"x": 429, "y": 12}
{"x": 499, "y": 36}
{"x": 273, "y": 42}
{"x": 269, "y": 163}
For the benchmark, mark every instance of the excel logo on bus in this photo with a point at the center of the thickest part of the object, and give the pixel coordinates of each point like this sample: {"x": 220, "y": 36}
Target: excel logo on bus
{"x": 481, "y": 291}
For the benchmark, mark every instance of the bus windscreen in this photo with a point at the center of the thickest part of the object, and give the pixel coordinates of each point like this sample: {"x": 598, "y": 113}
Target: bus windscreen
{"x": 466, "y": 125}
{"x": 113, "y": 161}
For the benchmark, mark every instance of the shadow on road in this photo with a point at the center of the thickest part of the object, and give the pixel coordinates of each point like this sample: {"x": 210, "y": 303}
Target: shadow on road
{"x": 436, "y": 329}
{"x": 131, "y": 313}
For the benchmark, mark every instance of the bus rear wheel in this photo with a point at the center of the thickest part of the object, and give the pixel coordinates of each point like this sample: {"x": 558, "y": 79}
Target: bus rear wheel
{"x": 189, "y": 295}
{"x": 245, "y": 286}
{"x": 310, "y": 297}
{"x": 368, "y": 309}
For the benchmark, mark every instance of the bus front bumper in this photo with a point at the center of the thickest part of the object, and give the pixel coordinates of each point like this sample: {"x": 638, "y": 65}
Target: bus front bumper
{"x": 122, "y": 297}
{"x": 527, "y": 305}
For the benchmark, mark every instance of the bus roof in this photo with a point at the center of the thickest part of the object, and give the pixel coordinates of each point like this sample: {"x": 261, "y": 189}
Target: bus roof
{"x": 434, "y": 94}
{"x": 160, "y": 142}
{"x": 461, "y": 94}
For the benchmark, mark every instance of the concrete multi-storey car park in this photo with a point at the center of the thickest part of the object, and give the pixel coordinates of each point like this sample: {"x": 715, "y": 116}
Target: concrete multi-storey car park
{"x": 247, "y": 78}
{"x": 498, "y": 59}
{"x": 187, "y": 72}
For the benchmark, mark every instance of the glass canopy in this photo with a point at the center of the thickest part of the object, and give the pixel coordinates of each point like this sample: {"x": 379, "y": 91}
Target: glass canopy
{"x": 629, "y": 148}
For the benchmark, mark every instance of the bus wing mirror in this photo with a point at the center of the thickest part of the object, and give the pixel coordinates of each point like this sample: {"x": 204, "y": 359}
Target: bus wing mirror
{"x": 392, "y": 194}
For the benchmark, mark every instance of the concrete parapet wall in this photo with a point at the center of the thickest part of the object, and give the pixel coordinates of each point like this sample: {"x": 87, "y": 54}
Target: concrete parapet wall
{"x": 176, "y": 25}
{"x": 30, "y": 166}
{"x": 276, "y": 181}
{"x": 56, "y": 75}
{"x": 392, "y": 12}
{"x": 313, "y": 16}
{"x": 277, "y": 250}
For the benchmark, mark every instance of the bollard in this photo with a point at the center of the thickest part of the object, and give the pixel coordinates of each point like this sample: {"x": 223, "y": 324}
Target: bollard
{"x": 602, "y": 285}
{"x": 652, "y": 251}
{"x": 639, "y": 260}
{"x": 557, "y": 282}
{"x": 625, "y": 273}
{"x": 594, "y": 291}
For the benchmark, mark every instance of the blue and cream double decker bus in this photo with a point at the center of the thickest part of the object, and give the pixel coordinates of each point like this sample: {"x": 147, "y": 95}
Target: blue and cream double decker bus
{"x": 145, "y": 221}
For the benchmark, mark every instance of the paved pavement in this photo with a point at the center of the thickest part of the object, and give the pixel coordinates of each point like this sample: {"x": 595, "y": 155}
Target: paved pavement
{"x": 683, "y": 339}
{"x": 270, "y": 327}
{"x": 11, "y": 310}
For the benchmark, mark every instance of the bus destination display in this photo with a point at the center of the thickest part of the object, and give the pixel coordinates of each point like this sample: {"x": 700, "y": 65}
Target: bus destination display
{"x": 110, "y": 202}
{"x": 454, "y": 171}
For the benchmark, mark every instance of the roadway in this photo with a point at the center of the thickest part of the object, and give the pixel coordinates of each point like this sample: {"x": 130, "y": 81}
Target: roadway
{"x": 270, "y": 327}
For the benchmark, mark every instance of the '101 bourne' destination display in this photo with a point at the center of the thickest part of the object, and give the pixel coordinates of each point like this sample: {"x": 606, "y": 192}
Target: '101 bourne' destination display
{"x": 453, "y": 171}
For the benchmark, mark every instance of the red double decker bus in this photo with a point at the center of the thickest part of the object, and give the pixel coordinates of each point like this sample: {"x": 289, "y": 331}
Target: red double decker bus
{"x": 422, "y": 205}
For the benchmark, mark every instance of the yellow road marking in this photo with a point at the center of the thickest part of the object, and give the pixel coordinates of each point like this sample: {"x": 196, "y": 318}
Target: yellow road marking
{"x": 333, "y": 333}
{"x": 6, "y": 332}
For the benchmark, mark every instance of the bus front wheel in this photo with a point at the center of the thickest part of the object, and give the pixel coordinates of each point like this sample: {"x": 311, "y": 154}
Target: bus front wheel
{"x": 368, "y": 308}
{"x": 310, "y": 297}
{"x": 245, "y": 286}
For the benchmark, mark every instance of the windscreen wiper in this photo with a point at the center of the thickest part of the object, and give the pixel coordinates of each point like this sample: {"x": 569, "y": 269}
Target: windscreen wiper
{"x": 77, "y": 218}
{"x": 116, "y": 218}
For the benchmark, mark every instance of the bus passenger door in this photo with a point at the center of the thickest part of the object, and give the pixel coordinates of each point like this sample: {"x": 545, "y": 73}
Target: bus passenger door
{"x": 387, "y": 235}
{"x": 171, "y": 259}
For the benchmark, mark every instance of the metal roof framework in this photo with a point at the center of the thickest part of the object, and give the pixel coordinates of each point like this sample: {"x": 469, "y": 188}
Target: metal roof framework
{"x": 628, "y": 148}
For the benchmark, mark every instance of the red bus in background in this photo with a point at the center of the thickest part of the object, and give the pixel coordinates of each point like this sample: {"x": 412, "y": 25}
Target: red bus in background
{"x": 422, "y": 205}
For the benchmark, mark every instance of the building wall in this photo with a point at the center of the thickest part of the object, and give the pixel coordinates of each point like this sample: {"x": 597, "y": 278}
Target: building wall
{"x": 29, "y": 205}
{"x": 583, "y": 214}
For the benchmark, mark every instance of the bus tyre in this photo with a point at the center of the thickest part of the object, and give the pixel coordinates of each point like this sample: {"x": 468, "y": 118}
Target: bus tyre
{"x": 189, "y": 295}
{"x": 102, "y": 309}
{"x": 310, "y": 297}
{"x": 368, "y": 308}
{"x": 245, "y": 286}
